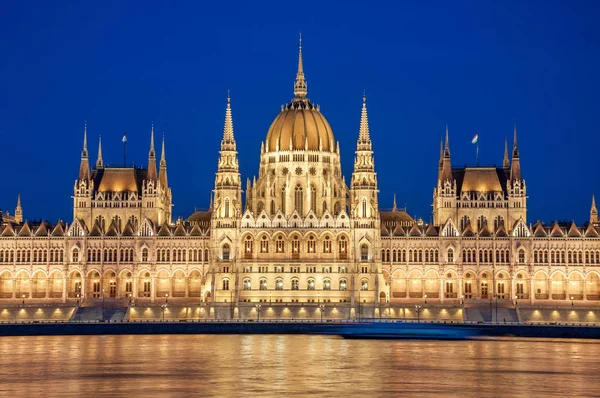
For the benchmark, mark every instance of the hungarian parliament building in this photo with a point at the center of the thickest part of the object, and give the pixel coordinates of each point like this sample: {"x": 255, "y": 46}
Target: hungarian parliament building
{"x": 300, "y": 234}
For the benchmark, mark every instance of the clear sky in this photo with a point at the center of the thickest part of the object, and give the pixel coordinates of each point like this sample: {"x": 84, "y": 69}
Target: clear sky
{"x": 476, "y": 66}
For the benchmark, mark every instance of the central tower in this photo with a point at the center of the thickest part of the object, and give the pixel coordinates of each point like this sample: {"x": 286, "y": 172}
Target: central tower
{"x": 300, "y": 161}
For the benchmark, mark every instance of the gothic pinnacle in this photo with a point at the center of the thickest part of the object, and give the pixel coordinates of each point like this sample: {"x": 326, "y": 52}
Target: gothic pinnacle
{"x": 300, "y": 86}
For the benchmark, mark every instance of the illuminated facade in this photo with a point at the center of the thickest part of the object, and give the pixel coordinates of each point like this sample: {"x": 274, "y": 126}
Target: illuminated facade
{"x": 302, "y": 235}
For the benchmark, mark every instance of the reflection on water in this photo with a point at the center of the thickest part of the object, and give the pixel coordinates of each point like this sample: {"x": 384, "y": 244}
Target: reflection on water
{"x": 211, "y": 365}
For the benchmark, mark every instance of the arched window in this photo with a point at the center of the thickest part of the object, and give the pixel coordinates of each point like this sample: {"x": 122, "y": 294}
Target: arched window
{"x": 279, "y": 284}
{"x": 262, "y": 284}
{"x": 364, "y": 207}
{"x": 226, "y": 251}
{"x": 343, "y": 246}
{"x": 247, "y": 285}
{"x": 364, "y": 252}
{"x": 522, "y": 256}
{"x": 225, "y": 284}
{"x": 343, "y": 285}
{"x": 327, "y": 244}
{"x": 311, "y": 245}
{"x": 364, "y": 285}
{"x": 450, "y": 255}
{"x": 145, "y": 254}
{"x": 464, "y": 222}
{"x": 298, "y": 199}
{"x": 326, "y": 284}
{"x": 280, "y": 244}
{"x": 264, "y": 244}
{"x": 313, "y": 198}
{"x": 248, "y": 246}
{"x": 310, "y": 284}
{"x": 75, "y": 255}
{"x": 295, "y": 284}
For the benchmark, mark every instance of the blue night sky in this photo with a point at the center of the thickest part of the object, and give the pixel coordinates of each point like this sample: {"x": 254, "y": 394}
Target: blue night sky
{"x": 474, "y": 66}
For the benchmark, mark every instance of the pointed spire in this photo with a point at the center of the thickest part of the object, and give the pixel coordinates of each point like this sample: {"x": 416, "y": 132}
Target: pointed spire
{"x": 593, "y": 211}
{"x": 515, "y": 170}
{"x": 99, "y": 162}
{"x": 447, "y": 146}
{"x": 163, "y": 166}
{"x": 300, "y": 86}
{"x": 19, "y": 211}
{"x": 84, "y": 167}
{"x": 363, "y": 135}
{"x": 228, "y": 137}
{"x": 152, "y": 175}
{"x": 506, "y": 162}
{"x": 394, "y": 207}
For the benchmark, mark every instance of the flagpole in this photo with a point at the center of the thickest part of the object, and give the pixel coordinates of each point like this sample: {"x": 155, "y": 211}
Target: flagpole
{"x": 477, "y": 153}
{"x": 125, "y": 150}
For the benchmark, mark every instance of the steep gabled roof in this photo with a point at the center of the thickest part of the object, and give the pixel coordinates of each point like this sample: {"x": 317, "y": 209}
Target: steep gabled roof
{"x": 59, "y": 229}
{"x": 399, "y": 230}
{"x": 112, "y": 229}
{"x": 96, "y": 229}
{"x": 591, "y": 231}
{"x": 574, "y": 231}
{"x": 128, "y": 230}
{"x": 383, "y": 230}
{"x": 485, "y": 231}
{"x": 431, "y": 231}
{"x": 501, "y": 232}
{"x": 556, "y": 231}
{"x": 196, "y": 231}
{"x": 468, "y": 231}
{"x": 415, "y": 230}
{"x": 164, "y": 230}
{"x": 8, "y": 230}
{"x": 539, "y": 231}
{"x": 42, "y": 229}
{"x": 180, "y": 231}
{"x": 25, "y": 230}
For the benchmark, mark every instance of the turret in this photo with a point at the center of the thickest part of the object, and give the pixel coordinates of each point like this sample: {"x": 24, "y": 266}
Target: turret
{"x": 506, "y": 162}
{"x": 515, "y": 170}
{"x": 593, "y": 212}
{"x": 163, "y": 167}
{"x": 446, "y": 174}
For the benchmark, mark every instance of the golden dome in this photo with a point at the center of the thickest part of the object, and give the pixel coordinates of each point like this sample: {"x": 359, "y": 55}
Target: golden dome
{"x": 301, "y": 125}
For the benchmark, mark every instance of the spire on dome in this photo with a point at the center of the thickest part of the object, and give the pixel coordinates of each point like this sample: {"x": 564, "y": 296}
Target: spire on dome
{"x": 300, "y": 86}
{"x": 506, "y": 162}
{"x": 152, "y": 157}
{"x": 363, "y": 135}
{"x": 593, "y": 211}
{"x": 99, "y": 162}
{"x": 84, "y": 167}
{"x": 163, "y": 166}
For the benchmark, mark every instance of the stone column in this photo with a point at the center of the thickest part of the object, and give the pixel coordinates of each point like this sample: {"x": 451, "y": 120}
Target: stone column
{"x": 64, "y": 290}
{"x": 134, "y": 287}
{"x": 407, "y": 288}
{"x": 187, "y": 286}
{"x": 171, "y": 286}
{"x": 549, "y": 287}
{"x": 47, "y": 288}
{"x": 441, "y": 290}
{"x": 30, "y": 288}
{"x": 14, "y": 287}
{"x": 459, "y": 294}
{"x": 531, "y": 291}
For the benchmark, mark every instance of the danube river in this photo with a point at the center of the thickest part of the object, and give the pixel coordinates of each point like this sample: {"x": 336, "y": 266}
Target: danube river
{"x": 269, "y": 365}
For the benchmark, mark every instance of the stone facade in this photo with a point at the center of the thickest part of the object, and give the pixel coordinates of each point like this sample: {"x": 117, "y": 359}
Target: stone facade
{"x": 302, "y": 237}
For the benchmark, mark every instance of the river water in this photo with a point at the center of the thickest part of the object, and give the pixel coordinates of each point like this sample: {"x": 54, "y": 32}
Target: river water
{"x": 294, "y": 365}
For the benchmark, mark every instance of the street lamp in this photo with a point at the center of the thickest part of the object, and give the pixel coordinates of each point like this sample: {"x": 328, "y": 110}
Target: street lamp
{"x": 163, "y": 308}
{"x": 322, "y": 309}
{"x": 78, "y": 299}
{"x": 571, "y": 301}
{"x": 258, "y": 312}
{"x": 462, "y": 299}
{"x": 418, "y": 310}
{"x": 23, "y": 299}
{"x": 516, "y": 301}
{"x": 167, "y": 298}
{"x": 425, "y": 299}
{"x": 318, "y": 298}
{"x": 387, "y": 302}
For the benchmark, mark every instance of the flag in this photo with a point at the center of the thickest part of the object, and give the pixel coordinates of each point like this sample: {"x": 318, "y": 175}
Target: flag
{"x": 124, "y": 137}
{"x": 474, "y": 140}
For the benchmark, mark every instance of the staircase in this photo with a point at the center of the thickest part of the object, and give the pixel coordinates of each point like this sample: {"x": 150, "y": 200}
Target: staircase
{"x": 96, "y": 311}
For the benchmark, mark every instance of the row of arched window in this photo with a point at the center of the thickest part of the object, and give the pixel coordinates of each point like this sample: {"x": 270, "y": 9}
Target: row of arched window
{"x": 181, "y": 255}
{"x": 414, "y": 255}
{"x": 485, "y": 256}
{"x": 32, "y": 256}
{"x": 564, "y": 256}
{"x": 123, "y": 255}
{"x": 295, "y": 245}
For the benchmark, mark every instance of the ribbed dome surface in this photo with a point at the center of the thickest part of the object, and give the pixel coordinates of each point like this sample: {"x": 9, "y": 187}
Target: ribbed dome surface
{"x": 304, "y": 124}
